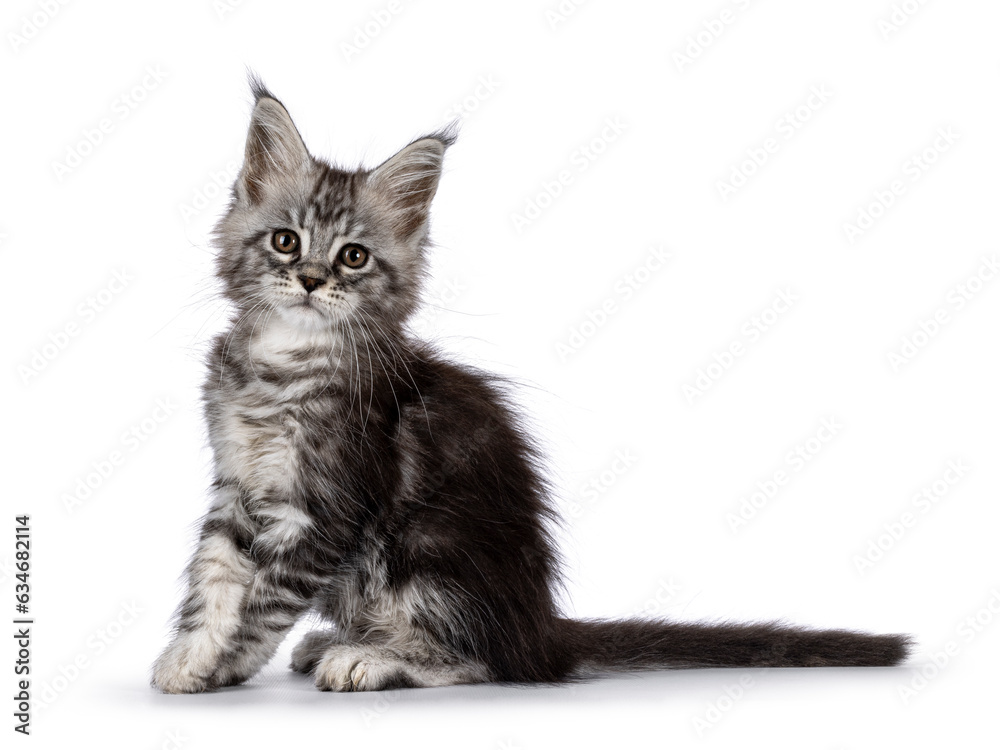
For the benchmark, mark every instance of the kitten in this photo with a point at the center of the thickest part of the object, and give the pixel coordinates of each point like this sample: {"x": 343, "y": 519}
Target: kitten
{"x": 361, "y": 475}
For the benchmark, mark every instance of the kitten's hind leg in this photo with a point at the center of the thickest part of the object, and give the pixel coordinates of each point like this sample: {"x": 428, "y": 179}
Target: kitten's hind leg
{"x": 347, "y": 667}
{"x": 307, "y": 655}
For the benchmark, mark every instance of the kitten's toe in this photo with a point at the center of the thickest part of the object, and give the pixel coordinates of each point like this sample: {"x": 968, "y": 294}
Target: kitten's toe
{"x": 358, "y": 675}
{"x": 350, "y": 668}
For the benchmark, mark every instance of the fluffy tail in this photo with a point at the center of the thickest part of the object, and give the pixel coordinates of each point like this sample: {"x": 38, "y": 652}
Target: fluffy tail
{"x": 630, "y": 645}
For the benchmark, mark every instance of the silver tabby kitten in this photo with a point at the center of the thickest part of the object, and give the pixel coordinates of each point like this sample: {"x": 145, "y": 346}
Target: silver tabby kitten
{"x": 361, "y": 475}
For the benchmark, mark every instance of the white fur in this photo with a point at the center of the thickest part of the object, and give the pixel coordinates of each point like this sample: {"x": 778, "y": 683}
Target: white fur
{"x": 219, "y": 574}
{"x": 284, "y": 524}
{"x": 284, "y": 334}
{"x": 262, "y": 457}
{"x": 227, "y": 504}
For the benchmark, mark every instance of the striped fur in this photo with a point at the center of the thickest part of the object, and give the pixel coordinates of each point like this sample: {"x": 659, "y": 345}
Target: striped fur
{"x": 363, "y": 476}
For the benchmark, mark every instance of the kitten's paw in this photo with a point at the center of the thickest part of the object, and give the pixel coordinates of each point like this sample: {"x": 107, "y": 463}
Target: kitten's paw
{"x": 347, "y": 668}
{"x": 179, "y": 670}
{"x": 310, "y": 650}
{"x": 333, "y": 672}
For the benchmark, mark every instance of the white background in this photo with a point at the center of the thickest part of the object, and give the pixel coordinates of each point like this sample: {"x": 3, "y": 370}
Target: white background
{"x": 534, "y": 90}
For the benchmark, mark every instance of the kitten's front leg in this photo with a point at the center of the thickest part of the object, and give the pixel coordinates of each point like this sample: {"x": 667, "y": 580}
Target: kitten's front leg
{"x": 277, "y": 598}
{"x": 219, "y": 575}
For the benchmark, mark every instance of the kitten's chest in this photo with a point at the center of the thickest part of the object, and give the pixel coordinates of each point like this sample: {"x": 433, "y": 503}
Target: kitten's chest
{"x": 263, "y": 447}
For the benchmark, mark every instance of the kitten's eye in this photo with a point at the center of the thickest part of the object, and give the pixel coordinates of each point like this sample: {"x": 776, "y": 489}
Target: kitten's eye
{"x": 285, "y": 241}
{"x": 353, "y": 256}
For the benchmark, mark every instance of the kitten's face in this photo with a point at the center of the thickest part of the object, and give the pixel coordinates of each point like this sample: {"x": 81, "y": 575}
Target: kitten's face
{"x": 320, "y": 247}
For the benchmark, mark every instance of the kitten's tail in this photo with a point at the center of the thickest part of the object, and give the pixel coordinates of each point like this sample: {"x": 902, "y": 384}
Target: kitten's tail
{"x": 634, "y": 644}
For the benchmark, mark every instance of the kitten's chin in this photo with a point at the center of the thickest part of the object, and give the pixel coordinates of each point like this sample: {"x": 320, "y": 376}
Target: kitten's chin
{"x": 306, "y": 316}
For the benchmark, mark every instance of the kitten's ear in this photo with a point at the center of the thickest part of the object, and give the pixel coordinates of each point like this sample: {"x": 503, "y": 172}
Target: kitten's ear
{"x": 274, "y": 151}
{"x": 406, "y": 183}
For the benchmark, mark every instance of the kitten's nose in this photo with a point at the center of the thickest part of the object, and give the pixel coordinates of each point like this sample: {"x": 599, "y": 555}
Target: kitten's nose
{"x": 311, "y": 283}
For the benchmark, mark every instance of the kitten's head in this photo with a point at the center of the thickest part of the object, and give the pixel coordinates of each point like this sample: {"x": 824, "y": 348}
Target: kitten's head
{"x": 323, "y": 247}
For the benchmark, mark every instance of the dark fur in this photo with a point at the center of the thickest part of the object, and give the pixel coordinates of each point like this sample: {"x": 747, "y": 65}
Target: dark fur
{"x": 407, "y": 505}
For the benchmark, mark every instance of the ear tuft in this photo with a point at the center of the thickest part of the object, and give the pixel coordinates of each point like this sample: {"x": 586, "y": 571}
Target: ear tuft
{"x": 257, "y": 87}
